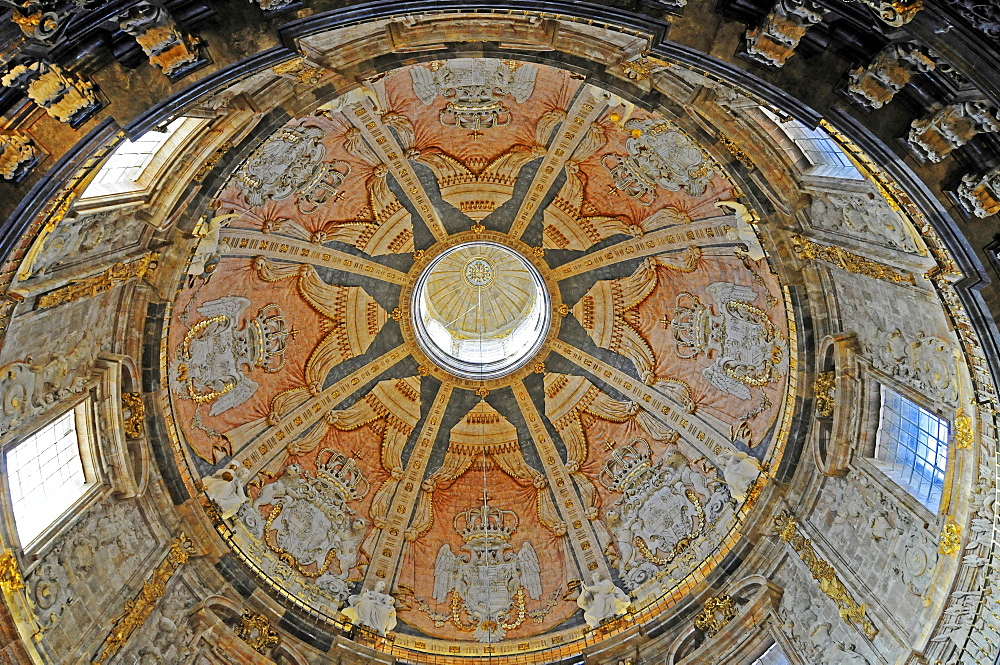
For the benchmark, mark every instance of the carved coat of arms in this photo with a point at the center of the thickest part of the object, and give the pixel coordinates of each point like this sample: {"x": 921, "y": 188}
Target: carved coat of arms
{"x": 745, "y": 343}
{"x": 487, "y": 580}
{"x": 658, "y": 156}
{"x": 659, "y": 514}
{"x": 474, "y": 88}
{"x": 208, "y": 367}
{"x": 311, "y": 525}
{"x": 291, "y": 163}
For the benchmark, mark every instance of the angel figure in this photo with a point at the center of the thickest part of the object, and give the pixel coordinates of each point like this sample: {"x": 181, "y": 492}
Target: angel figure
{"x": 225, "y": 488}
{"x": 372, "y": 608}
{"x": 601, "y": 601}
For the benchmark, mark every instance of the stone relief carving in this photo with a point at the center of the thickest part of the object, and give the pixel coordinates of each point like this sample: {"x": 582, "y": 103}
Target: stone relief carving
{"x": 161, "y": 39}
{"x": 290, "y": 163}
{"x": 65, "y": 98}
{"x": 664, "y": 507}
{"x": 925, "y": 362}
{"x": 494, "y": 604}
{"x": 745, "y": 343}
{"x": 30, "y": 386}
{"x": 83, "y": 235}
{"x": 933, "y": 137}
{"x": 659, "y": 155}
{"x": 310, "y": 521}
{"x": 208, "y": 366}
{"x": 864, "y": 511}
{"x": 804, "y": 622}
{"x": 875, "y": 85}
{"x": 863, "y": 215}
{"x": 108, "y": 544}
{"x": 981, "y": 194}
{"x": 168, "y": 636}
{"x": 18, "y": 154}
{"x": 776, "y": 39}
{"x": 475, "y": 89}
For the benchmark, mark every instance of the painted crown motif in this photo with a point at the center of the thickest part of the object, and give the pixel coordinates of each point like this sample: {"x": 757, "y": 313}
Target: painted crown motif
{"x": 343, "y": 473}
{"x": 268, "y": 337}
{"x": 626, "y": 466}
{"x": 690, "y": 325}
{"x": 486, "y": 523}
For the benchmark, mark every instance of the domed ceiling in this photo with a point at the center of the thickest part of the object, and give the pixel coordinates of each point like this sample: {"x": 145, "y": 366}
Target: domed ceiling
{"x": 511, "y": 207}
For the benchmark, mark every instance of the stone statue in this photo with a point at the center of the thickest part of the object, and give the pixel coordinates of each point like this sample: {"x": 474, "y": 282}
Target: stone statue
{"x": 372, "y": 608}
{"x": 602, "y": 600}
{"x": 225, "y": 488}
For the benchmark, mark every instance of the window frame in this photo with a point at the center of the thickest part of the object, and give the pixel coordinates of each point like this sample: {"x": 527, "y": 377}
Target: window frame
{"x": 869, "y": 429}
{"x": 90, "y": 459}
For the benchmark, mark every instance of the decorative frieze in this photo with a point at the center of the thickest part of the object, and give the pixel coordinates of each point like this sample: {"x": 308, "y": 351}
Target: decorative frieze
{"x": 18, "y": 154}
{"x": 848, "y": 261}
{"x": 66, "y": 98}
{"x": 161, "y": 39}
{"x": 824, "y": 574}
{"x": 983, "y": 15}
{"x": 875, "y": 85}
{"x": 934, "y": 136}
{"x": 775, "y": 40}
{"x": 107, "y": 280}
{"x": 981, "y": 194}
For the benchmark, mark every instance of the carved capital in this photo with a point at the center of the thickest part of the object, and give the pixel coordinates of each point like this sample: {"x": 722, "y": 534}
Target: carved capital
{"x": 981, "y": 194}
{"x": 66, "y": 98}
{"x": 172, "y": 50}
{"x": 18, "y": 154}
{"x": 934, "y": 136}
{"x": 775, "y": 40}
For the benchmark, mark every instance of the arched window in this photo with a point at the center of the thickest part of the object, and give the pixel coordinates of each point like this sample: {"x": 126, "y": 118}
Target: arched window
{"x": 813, "y": 150}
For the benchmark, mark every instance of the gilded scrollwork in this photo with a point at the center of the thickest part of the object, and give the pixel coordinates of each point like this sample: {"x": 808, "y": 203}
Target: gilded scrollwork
{"x": 824, "y": 574}
{"x": 715, "y": 614}
{"x": 256, "y": 631}
{"x": 824, "y": 391}
{"x": 10, "y": 573}
{"x": 91, "y": 286}
{"x": 849, "y": 261}
{"x": 138, "y": 609}
{"x": 134, "y": 414}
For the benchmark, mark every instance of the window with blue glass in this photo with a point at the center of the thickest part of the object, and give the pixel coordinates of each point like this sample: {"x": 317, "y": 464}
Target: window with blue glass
{"x": 912, "y": 447}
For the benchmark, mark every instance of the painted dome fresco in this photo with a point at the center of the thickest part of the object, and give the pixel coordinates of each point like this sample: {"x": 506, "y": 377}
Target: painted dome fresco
{"x": 486, "y": 334}
{"x": 385, "y": 332}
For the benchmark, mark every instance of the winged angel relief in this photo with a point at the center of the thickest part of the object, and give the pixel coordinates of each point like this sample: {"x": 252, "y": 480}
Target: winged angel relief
{"x": 488, "y": 580}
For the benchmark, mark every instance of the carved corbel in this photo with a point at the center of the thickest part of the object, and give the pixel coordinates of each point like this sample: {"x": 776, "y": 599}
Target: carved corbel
{"x": 875, "y": 85}
{"x": 981, "y": 194}
{"x": 933, "y": 137}
{"x": 66, "y": 98}
{"x": 164, "y": 43}
{"x": 775, "y": 40}
{"x": 18, "y": 154}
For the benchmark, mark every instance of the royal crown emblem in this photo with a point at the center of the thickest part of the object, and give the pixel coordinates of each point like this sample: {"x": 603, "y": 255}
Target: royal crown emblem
{"x": 627, "y": 465}
{"x": 343, "y": 473}
{"x": 267, "y": 338}
{"x": 486, "y": 525}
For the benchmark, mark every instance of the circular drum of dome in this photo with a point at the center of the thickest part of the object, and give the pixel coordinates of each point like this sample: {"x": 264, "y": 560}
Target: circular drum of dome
{"x": 480, "y": 310}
